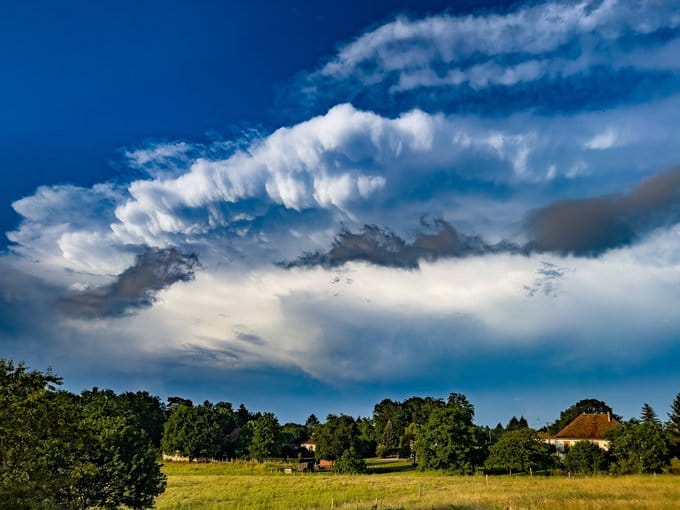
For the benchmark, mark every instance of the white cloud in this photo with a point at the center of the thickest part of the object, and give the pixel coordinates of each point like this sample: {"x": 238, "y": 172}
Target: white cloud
{"x": 348, "y": 166}
{"x": 605, "y": 140}
{"x": 470, "y": 49}
{"x": 374, "y": 323}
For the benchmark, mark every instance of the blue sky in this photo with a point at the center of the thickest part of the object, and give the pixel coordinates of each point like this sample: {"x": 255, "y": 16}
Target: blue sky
{"x": 309, "y": 207}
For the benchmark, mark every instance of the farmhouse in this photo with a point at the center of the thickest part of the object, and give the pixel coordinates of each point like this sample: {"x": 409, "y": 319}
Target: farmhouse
{"x": 309, "y": 444}
{"x": 585, "y": 427}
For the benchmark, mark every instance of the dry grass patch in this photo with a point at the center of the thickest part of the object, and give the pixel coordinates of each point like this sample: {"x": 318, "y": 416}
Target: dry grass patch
{"x": 249, "y": 485}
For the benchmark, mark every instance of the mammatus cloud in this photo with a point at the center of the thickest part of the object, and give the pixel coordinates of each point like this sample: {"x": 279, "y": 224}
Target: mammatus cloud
{"x": 579, "y": 52}
{"x": 591, "y": 226}
{"x": 136, "y": 287}
{"x": 385, "y": 248}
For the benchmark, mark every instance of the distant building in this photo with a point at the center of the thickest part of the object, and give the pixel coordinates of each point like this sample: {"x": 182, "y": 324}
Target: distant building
{"x": 309, "y": 444}
{"x": 585, "y": 427}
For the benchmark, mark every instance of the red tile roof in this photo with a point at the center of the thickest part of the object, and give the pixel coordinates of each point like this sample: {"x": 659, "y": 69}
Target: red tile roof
{"x": 588, "y": 426}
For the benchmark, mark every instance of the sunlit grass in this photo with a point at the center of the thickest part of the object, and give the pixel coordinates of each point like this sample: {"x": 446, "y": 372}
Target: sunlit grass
{"x": 251, "y": 485}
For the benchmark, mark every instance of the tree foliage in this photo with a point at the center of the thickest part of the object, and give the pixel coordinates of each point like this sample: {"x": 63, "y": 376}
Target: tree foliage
{"x": 311, "y": 424}
{"x": 648, "y": 414}
{"x": 673, "y": 427}
{"x": 266, "y": 436}
{"x": 121, "y": 456}
{"x": 519, "y": 450}
{"x": 350, "y": 462}
{"x": 639, "y": 447}
{"x": 58, "y": 450}
{"x": 586, "y": 458}
{"x": 200, "y": 431}
{"x": 338, "y": 434}
{"x": 446, "y": 440}
{"x": 516, "y": 424}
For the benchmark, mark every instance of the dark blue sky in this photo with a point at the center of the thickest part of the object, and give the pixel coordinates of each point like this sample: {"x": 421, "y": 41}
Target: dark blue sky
{"x": 177, "y": 228}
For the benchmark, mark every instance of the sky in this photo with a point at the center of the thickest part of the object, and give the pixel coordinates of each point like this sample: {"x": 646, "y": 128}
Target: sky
{"x": 309, "y": 208}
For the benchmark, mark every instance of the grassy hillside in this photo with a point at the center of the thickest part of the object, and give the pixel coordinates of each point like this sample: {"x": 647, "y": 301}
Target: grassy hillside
{"x": 393, "y": 485}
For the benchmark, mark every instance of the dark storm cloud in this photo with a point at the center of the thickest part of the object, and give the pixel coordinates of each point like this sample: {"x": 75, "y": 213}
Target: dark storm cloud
{"x": 591, "y": 226}
{"x": 383, "y": 247}
{"x": 134, "y": 288}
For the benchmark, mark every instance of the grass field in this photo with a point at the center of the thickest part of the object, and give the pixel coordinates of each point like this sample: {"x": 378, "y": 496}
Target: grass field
{"x": 393, "y": 485}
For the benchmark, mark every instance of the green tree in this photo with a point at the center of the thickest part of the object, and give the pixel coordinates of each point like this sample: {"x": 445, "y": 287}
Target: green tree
{"x": 446, "y": 440}
{"x": 516, "y": 424}
{"x": 311, "y": 424}
{"x": 394, "y": 413}
{"x": 174, "y": 402}
{"x": 586, "y": 458}
{"x": 639, "y": 447}
{"x": 58, "y": 450}
{"x": 409, "y": 441}
{"x": 149, "y": 413}
{"x": 245, "y": 434}
{"x": 673, "y": 427}
{"x": 266, "y": 436}
{"x": 194, "y": 431}
{"x": 40, "y": 440}
{"x": 389, "y": 440}
{"x": 350, "y": 462}
{"x": 292, "y": 434}
{"x": 648, "y": 415}
{"x": 121, "y": 455}
{"x": 338, "y": 434}
{"x": 226, "y": 418}
{"x": 519, "y": 450}
{"x": 366, "y": 443}
{"x": 243, "y": 416}
{"x": 418, "y": 409}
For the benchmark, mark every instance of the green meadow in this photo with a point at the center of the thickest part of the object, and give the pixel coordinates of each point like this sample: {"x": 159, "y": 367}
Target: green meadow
{"x": 395, "y": 485}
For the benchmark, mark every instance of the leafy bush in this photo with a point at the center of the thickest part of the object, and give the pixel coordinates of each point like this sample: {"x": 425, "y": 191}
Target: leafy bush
{"x": 674, "y": 467}
{"x": 350, "y": 462}
{"x": 639, "y": 448}
{"x": 519, "y": 450}
{"x": 586, "y": 458}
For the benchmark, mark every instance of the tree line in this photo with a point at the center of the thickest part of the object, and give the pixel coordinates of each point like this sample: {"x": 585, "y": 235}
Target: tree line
{"x": 101, "y": 449}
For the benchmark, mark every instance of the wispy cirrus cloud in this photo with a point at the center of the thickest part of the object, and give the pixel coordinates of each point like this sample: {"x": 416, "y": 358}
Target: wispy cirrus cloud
{"x": 554, "y": 56}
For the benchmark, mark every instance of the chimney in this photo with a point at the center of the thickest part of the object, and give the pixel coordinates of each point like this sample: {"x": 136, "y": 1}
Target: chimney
{"x": 609, "y": 416}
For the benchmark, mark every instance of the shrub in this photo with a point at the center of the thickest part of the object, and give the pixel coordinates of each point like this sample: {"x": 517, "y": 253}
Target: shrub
{"x": 674, "y": 468}
{"x": 586, "y": 458}
{"x": 350, "y": 462}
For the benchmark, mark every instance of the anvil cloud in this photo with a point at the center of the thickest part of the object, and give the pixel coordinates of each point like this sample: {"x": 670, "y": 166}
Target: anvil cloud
{"x": 450, "y": 193}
